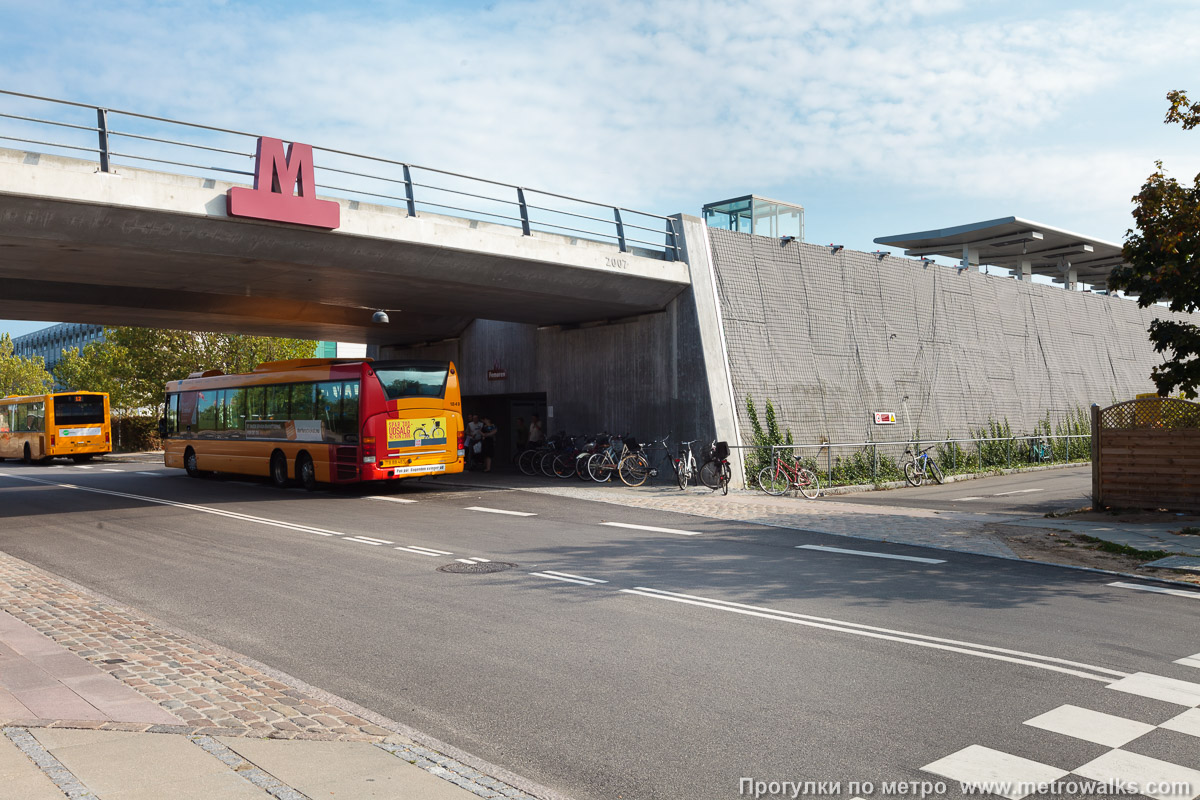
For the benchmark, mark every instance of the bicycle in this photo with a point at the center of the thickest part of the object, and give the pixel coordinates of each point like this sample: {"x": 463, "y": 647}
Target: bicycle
{"x": 1038, "y": 450}
{"x": 785, "y": 475}
{"x": 685, "y": 466}
{"x": 716, "y": 472}
{"x": 602, "y": 465}
{"x": 636, "y": 467}
{"x": 917, "y": 468}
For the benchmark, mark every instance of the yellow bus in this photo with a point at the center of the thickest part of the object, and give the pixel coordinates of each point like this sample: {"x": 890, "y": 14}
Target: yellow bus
{"x": 318, "y": 420}
{"x": 40, "y": 427}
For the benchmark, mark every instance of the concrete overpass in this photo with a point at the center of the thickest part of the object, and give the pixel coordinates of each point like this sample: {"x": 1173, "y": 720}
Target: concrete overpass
{"x": 92, "y": 241}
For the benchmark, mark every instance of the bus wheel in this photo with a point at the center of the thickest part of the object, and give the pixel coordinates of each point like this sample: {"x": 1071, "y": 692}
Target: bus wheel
{"x": 28, "y": 457}
{"x": 279, "y": 475}
{"x": 306, "y": 473}
{"x": 189, "y": 463}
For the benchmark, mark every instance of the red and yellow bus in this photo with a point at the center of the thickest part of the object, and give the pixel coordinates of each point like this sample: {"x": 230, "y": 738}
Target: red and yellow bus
{"x": 40, "y": 427}
{"x": 318, "y": 420}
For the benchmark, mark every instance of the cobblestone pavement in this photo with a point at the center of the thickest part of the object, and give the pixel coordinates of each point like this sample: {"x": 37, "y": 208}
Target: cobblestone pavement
{"x": 212, "y": 691}
{"x": 963, "y": 532}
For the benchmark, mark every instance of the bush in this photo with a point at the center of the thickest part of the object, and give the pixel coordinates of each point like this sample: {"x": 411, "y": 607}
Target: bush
{"x": 135, "y": 434}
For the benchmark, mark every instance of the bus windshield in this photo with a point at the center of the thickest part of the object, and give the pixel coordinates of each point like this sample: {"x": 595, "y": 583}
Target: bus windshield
{"x": 78, "y": 409}
{"x": 412, "y": 380}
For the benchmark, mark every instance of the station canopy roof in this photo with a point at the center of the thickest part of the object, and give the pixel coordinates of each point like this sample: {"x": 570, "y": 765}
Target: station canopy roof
{"x": 1008, "y": 241}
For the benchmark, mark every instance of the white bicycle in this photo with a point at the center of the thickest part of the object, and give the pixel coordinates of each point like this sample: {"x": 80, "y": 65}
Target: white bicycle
{"x": 686, "y": 468}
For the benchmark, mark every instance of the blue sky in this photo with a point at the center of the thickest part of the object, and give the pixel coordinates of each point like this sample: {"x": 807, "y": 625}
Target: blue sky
{"x": 879, "y": 116}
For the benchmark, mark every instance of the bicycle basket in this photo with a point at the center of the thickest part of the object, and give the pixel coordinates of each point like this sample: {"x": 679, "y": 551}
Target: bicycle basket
{"x": 632, "y": 445}
{"x": 721, "y": 451}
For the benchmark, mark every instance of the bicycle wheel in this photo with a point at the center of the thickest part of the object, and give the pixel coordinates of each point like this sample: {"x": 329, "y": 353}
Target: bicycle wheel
{"x": 710, "y": 475}
{"x": 808, "y": 484}
{"x": 564, "y": 465}
{"x": 726, "y": 476}
{"x": 773, "y": 481}
{"x": 913, "y": 475}
{"x": 634, "y": 469}
{"x": 525, "y": 462}
{"x": 933, "y": 469}
{"x": 581, "y": 466}
{"x": 600, "y": 467}
{"x": 681, "y": 472}
{"x": 546, "y": 465}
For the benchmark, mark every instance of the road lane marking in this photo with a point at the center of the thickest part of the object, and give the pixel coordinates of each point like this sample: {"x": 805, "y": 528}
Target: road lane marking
{"x": 108, "y": 469}
{"x": 825, "y": 549}
{"x": 559, "y": 578}
{"x": 981, "y": 766}
{"x": 1018, "y": 491}
{"x": 189, "y": 506}
{"x": 1122, "y": 766}
{"x": 1189, "y": 661}
{"x": 501, "y": 511}
{"x": 81, "y": 466}
{"x": 367, "y": 540}
{"x": 957, "y": 499}
{"x": 651, "y": 528}
{"x": 1157, "y": 687}
{"x": 920, "y": 640}
{"x": 390, "y": 499}
{"x": 1158, "y": 589}
{"x": 572, "y": 575}
{"x": 1090, "y": 726}
{"x": 429, "y": 550}
{"x": 422, "y": 552}
{"x": 153, "y": 474}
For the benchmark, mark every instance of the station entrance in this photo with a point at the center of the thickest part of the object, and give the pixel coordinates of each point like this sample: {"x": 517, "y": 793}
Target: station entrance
{"x": 507, "y": 412}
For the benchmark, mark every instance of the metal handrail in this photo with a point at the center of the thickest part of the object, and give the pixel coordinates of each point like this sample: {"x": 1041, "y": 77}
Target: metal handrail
{"x": 670, "y": 246}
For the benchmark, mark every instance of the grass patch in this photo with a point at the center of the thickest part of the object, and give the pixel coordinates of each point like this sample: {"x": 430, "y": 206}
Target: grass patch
{"x": 1123, "y": 549}
{"x": 1191, "y": 530}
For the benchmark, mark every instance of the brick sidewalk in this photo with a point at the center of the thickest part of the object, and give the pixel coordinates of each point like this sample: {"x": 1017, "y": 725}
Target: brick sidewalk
{"x": 74, "y": 660}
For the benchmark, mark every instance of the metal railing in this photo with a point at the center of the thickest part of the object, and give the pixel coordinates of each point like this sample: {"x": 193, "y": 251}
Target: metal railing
{"x": 132, "y": 138}
{"x": 862, "y": 463}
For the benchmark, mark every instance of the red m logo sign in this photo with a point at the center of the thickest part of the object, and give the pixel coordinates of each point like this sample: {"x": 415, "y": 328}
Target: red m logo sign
{"x": 284, "y": 188}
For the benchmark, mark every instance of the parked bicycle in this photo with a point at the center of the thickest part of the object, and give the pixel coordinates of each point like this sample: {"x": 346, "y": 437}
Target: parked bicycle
{"x": 920, "y": 467}
{"x": 716, "y": 472}
{"x": 685, "y": 466}
{"x": 637, "y": 466}
{"x": 604, "y": 464}
{"x": 786, "y": 474}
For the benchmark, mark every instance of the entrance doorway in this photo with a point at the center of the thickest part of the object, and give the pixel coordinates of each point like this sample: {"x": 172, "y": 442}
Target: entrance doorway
{"x": 504, "y": 410}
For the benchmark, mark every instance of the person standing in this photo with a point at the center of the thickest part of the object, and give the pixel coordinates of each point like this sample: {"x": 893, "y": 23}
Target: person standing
{"x": 487, "y": 433}
{"x": 536, "y": 434}
{"x": 474, "y": 445}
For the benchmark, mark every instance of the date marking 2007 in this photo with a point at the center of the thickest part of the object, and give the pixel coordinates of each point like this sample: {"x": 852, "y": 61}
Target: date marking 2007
{"x": 619, "y": 263}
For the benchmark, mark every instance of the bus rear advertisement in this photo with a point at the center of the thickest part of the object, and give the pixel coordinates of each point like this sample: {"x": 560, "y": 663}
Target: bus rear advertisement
{"x": 37, "y": 428}
{"x": 318, "y": 421}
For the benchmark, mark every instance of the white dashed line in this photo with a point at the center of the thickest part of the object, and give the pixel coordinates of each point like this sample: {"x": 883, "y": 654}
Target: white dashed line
{"x": 390, "y": 499}
{"x": 869, "y": 553}
{"x": 501, "y": 511}
{"x": 106, "y": 469}
{"x": 1018, "y": 491}
{"x": 957, "y": 499}
{"x": 367, "y": 540}
{"x": 428, "y": 550}
{"x": 651, "y": 528}
{"x": 564, "y": 580}
{"x": 1189, "y": 661}
{"x": 152, "y": 474}
{"x": 422, "y": 552}
{"x": 1158, "y": 589}
{"x": 81, "y": 466}
{"x": 578, "y": 577}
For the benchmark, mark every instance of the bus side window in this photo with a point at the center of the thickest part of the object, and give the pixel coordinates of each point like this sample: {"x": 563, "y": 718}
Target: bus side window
{"x": 277, "y": 402}
{"x": 172, "y": 415}
{"x": 349, "y": 424}
{"x": 302, "y": 401}
{"x": 188, "y": 413}
{"x": 328, "y": 407}
{"x": 208, "y": 410}
{"x": 256, "y": 401}
{"x": 235, "y": 409}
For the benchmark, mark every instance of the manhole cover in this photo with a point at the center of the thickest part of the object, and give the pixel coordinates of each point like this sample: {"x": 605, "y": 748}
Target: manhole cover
{"x": 476, "y": 569}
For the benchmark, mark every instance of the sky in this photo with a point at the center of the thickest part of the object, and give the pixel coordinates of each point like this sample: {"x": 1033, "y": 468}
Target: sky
{"x": 878, "y": 116}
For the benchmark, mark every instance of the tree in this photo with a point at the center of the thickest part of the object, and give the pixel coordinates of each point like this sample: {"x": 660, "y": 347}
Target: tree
{"x": 1162, "y": 256}
{"x": 21, "y": 375}
{"x": 134, "y": 364}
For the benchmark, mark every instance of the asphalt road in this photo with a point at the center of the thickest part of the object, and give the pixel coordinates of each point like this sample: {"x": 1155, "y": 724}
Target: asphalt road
{"x": 1037, "y": 492}
{"x": 698, "y": 660}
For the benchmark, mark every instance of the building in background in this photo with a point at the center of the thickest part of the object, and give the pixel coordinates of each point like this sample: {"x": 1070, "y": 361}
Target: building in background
{"x": 50, "y": 342}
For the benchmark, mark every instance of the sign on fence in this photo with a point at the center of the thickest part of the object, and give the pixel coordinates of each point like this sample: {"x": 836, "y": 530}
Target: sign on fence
{"x": 885, "y": 418}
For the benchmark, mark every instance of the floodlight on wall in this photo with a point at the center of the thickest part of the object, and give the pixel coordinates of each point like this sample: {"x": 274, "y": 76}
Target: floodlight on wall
{"x": 925, "y": 262}
{"x": 881, "y": 254}
{"x": 834, "y": 249}
{"x": 380, "y": 318}
{"x": 786, "y": 240}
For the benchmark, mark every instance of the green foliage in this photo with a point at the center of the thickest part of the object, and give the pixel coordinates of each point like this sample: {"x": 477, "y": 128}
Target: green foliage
{"x": 1162, "y": 262}
{"x": 864, "y": 466}
{"x": 21, "y": 375}
{"x": 762, "y": 441}
{"x": 134, "y": 364}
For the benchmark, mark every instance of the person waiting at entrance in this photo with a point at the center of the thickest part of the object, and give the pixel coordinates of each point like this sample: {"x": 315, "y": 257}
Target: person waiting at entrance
{"x": 474, "y": 445}
{"x": 487, "y": 435}
{"x": 536, "y": 434}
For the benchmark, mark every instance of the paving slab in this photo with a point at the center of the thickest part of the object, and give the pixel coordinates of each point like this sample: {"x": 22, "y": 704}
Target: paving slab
{"x": 144, "y": 766}
{"x": 20, "y": 777}
{"x": 350, "y": 770}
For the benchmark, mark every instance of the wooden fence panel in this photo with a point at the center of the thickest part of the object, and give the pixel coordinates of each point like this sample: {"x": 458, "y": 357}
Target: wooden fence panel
{"x": 1146, "y": 454}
